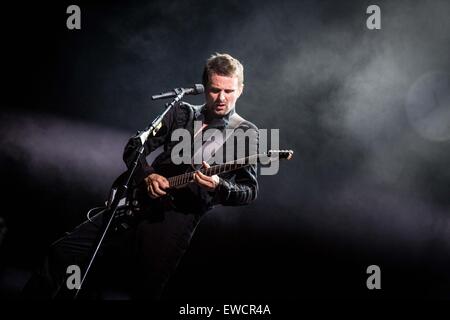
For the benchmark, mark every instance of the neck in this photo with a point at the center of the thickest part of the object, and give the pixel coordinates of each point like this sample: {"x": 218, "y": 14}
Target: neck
{"x": 210, "y": 116}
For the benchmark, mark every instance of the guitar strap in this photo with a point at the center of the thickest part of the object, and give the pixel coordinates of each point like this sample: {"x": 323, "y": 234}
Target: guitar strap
{"x": 211, "y": 146}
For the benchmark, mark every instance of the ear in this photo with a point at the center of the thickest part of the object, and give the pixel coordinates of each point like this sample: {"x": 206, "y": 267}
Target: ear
{"x": 241, "y": 89}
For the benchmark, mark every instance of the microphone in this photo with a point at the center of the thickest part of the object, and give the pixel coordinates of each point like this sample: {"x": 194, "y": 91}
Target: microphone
{"x": 196, "y": 89}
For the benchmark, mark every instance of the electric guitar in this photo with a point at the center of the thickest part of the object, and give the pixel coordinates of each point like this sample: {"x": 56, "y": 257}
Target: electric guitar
{"x": 137, "y": 202}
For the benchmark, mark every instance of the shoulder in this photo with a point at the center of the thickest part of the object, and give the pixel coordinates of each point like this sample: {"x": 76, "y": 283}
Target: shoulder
{"x": 183, "y": 106}
{"x": 184, "y": 112}
{"x": 244, "y": 124}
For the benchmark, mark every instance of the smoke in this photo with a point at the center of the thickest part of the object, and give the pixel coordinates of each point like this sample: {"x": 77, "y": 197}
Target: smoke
{"x": 340, "y": 95}
{"x": 357, "y": 106}
{"x": 63, "y": 151}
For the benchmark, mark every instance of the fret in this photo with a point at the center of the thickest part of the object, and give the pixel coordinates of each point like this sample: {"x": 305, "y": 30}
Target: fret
{"x": 185, "y": 178}
{"x": 181, "y": 179}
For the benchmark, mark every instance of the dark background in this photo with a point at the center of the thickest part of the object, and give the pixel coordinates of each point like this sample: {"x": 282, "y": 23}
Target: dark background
{"x": 367, "y": 113}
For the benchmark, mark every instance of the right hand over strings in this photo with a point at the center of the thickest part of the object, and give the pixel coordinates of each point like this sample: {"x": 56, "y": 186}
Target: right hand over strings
{"x": 156, "y": 185}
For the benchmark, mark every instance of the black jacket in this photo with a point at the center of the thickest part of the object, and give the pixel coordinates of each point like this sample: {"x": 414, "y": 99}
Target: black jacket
{"x": 235, "y": 188}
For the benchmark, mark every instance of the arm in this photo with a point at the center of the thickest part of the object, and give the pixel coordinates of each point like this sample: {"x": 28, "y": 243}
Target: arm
{"x": 153, "y": 142}
{"x": 241, "y": 191}
{"x": 235, "y": 188}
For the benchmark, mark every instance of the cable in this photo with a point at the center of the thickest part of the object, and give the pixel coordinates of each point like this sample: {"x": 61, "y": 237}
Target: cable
{"x": 88, "y": 213}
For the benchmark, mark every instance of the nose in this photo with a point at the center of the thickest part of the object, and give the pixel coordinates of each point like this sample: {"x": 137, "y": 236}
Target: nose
{"x": 222, "y": 96}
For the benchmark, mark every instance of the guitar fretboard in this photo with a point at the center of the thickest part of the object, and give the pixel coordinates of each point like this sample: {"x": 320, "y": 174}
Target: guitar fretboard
{"x": 185, "y": 178}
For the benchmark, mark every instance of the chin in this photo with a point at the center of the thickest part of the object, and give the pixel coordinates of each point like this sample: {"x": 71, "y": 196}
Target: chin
{"x": 220, "y": 113}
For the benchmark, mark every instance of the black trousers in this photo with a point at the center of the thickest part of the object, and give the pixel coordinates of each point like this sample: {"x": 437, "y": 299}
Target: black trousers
{"x": 139, "y": 260}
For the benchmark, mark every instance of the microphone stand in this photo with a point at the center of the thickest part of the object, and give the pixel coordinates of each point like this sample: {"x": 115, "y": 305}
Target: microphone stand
{"x": 123, "y": 189}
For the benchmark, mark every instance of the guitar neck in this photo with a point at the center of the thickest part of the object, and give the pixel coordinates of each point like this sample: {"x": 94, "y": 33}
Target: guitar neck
{"x": 185, "y": 178}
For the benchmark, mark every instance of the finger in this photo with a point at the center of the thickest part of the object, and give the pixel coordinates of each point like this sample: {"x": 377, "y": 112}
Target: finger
{"x": 204, "y": 182}
{"x": 197, "y": 178}
{"x": 202, "y": 175}
{"x": 205, "y": 164}
{"x": 167, "y": 184}
{"x": 212, "y": 181}
{"x": 163, "y": 183}
{"x": 157, "y": 189}
{"x": 151, "y": 191}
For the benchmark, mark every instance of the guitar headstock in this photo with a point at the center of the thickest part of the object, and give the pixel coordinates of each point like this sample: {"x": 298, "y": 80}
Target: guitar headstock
{"x": 282, "y": 154}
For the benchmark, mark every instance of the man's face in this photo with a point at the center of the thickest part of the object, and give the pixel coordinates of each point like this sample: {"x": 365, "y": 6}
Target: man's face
{"x": 221, "y": 94}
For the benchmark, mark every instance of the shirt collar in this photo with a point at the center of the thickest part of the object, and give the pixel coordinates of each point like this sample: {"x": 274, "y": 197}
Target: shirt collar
{"x": 214, "y": 122}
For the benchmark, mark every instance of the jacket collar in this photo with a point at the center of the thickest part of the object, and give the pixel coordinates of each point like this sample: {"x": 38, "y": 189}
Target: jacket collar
{"x": 219, "y": 123}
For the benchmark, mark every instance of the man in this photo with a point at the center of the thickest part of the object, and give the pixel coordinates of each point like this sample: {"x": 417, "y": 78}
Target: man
{"x": 155, "y": 244}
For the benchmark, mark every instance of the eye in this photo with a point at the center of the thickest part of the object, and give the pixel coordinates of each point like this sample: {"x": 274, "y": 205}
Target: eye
{"x": 229, "y": 91}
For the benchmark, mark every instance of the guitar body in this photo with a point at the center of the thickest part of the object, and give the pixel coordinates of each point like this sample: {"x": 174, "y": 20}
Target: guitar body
{"x": 183, "y": 195}
{"x": 137, "y": 203}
